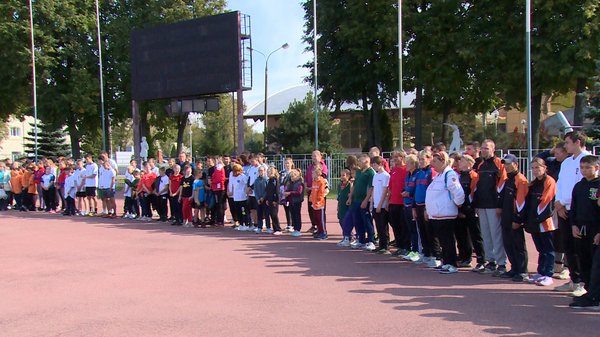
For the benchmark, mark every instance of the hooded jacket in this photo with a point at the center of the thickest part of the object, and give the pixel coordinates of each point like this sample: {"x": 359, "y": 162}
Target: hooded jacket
{"x": 539, "y": 205}
{"x": 444, "y": 196}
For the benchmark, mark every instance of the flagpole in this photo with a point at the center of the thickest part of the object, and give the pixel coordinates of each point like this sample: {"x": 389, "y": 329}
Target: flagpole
{"x": 104, "y": 147}
{"x": 35, "y": 131}
{"x": 316, "y": 98}
{"x": 400, "y": 51}
{"x": 528, "y": 75}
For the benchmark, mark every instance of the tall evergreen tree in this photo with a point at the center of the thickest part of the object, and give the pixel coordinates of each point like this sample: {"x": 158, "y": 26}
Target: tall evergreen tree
{"x": 594, "y": 99}
{"x": 51, "y": 141}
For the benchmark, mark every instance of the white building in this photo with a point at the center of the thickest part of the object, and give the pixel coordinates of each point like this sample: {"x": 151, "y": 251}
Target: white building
{"x": 13, "y": 145}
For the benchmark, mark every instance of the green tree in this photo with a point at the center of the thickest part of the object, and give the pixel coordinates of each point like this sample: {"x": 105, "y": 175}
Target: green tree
{"x": 51, "y": 142}
{"x": 594, "y": 99}
{"x": 217, "y": 134}
{"x": 296, "y": 130}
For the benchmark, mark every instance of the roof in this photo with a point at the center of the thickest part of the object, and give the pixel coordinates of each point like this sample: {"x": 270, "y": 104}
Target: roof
{"x": 280, "y": 102}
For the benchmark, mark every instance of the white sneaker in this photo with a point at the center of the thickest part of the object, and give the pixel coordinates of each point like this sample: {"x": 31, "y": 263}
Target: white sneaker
{"x": 296, "y": 233}
{"x": 449, "y": 269}
{"x": 289, "y": 229}
{"x": 578, "y": 290}
{"x": 562, "y": 275}
{"x": 370, "y": 246}
{"x": 421, "y": 259}
{"x": 277, "y": 233}
{"x": 415, "y": 256}
{"x": 434, "y": 263}
{"x": 344, "y": 243}
{"x": 356, "y": 245}
{"x": 243, "y": 228}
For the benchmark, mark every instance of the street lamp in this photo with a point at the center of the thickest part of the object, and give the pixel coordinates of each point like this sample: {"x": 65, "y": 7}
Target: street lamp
{"x": 284, "y": 46}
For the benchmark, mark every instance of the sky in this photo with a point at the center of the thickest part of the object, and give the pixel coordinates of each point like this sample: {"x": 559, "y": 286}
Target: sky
{"x": 275, "y": 22}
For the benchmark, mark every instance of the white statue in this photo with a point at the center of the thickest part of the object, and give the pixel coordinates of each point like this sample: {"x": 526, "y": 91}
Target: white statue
{"x": 144, "y": 149}
{"x": 457, "y": 142}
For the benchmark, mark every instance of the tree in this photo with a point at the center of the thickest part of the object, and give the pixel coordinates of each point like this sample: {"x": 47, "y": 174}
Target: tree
{"x": 217, "y": 134}
{"x": 594, "y": 99}
{"x": 296, "y": 130}
{"x": 51, "y": 142}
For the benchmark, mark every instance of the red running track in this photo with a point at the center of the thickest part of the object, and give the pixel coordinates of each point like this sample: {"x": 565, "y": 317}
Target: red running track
{"x": 99, "y": 277}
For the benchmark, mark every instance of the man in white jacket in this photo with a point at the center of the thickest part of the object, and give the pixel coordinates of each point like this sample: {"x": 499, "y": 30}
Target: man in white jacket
{"x": 570, "y": 174}
{"x": 444, "y": 196}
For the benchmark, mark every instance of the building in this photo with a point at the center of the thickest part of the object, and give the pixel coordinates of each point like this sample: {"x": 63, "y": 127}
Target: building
{"x": 13, "y": 145}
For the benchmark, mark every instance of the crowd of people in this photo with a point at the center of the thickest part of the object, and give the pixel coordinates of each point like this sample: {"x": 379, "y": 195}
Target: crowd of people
{"x": 443, "y": 209}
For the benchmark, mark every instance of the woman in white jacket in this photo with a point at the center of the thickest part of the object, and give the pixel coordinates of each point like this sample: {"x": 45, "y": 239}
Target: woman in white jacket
{"x": 444, "y": 196}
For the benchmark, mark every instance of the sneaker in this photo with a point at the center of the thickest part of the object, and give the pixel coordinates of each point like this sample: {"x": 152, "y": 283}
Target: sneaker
{"x": 534, "y": 278}
{"x": 383, "y": 251}
{"x": 251, "y": 229}
{"x": 322, "y": 236}
{"x": 441, "y": 267}
{"x": 508, "y": 274}
{"x": 258, "y": 231}
{"x": 544, "y": 281}
{"x": 586, "y": 303}
{"x": 414, "y": 257}
{"x": 357, "y": 245}
{"x": 433, "y": 263}
{"x": 464, "y": 264}
{"x": 370, "y": 246}
{"x": 277, "y": 233}
{"x": 565, "y": 288}
{"x": 520, "y": 278}
{"x": 578, "y": 290}
{"x": 269, "y": 231}
{"x": 296, "y": 233}
{"x": 401, "y": 253}
{"x": 562, "y": 275}
{"x": 421, "y": 259}
{"x": 289, "y": 229}
{"x": 450, "y": 270}
{"x": 501, "y": 270}
{"x": 344, "y": 243}
{"x": 489, "y": 268}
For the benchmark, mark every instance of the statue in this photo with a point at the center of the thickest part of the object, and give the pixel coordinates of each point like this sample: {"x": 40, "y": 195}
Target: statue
{"x": 457, "y": 142}
{"x": 144, "y": 149}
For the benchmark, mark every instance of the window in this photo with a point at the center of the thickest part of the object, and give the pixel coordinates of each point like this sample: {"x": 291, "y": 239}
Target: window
{"x": 15, "y": 132}
{"x": 16, "y": 156}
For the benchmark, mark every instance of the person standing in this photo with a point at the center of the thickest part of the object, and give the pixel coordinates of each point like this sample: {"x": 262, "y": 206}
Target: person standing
{"x": 271, "y": 200}
{"x": 91, "y": 183}
{"x": 396, "y": 204}
{"x": 317, "y": 196}
{"x": 491, "y": 181}
{"x": 359, "y": 202}
{"x": 380, "y": 197}
{"x": 317, "y": 159}
{"x": 284, "y": 180}
{"x": 570, "y": 174}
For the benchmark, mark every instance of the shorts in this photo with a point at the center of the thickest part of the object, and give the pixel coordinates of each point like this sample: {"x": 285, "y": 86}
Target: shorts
{"x": 198, "y": 206}
{"x": 252, "y": 203}
{"x": 90, "y": 191}
{"x": 80, "y": 194}
{"x": 108, "y": 193}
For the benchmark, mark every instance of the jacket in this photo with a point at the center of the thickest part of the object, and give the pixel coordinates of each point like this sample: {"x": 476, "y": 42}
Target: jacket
{"x": 296, "y": 189}
{"x": 512, "y": 199}
{"x": 409, "y": 186}
{"x": 272, "y": 190}
{"x": 259, "y": 187}
{"x": 423, "y": 178}
{"x": 317, "y": 195}
{"x": 468, "y": 182}
{"x": 584, "y": 208}
{"x": 492, "y": 175}
{"x": 444, "y": 196}
{"x": 396, "y": 185}
{"x": 539, "y": 205}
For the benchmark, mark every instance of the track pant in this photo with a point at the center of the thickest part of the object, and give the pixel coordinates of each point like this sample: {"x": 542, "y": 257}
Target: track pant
{"x": 70, "y": 206}
{"x": 429, "y": 241}
{"x": 514, "y": 246}
{"x": 568, "y": 245}
{"x": 162, "y": 208}
{"x": 272, "y": 215}
{"x": 319, "y": 217}
{"x": 186, "y": 209}
{"x": 261, "y": 215}
{"x": 585, "y": 251}
{"x": 175, "y": 206}
{"x": 49, "y": 196}
{"x": 288, "y": 214}
{"x": 241, "y": 212}
{"x": 381, "y": 221}
{"x": 311, "y": 215}
{"x": 444, "y": 229}
{"x": 545, "y": 247}
{"x": 18, "y": 200}
{"x": 363, "y": 223}
{"x": 413, "y": 232}
{"x": 296, "y": 209}
{"x": 219, "y": 209}
{"x": 468, "y": 239}
{"x": 399, "y": 226}
{"x": 347, "y": 225}
{"x": 491, "y": 232}
{"x": 594, "y": 286}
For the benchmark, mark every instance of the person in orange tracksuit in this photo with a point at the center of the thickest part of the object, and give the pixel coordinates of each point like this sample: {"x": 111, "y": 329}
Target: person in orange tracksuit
{"x": 17, "y": 185}
{"x": 317, "y": 199}
{"x": 29, "y": 188}
{"x": 512, "y": 203}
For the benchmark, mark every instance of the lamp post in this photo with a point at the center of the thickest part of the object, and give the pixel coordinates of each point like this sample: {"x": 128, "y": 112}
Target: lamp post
{"x": 528, "y": 81}
{"x": 284, "y": 46}
{"x": 104, "y": 146}
{"x": 400, "y": 52}
{"x": 315, "y": 73}
{"x": 35, "y": 131}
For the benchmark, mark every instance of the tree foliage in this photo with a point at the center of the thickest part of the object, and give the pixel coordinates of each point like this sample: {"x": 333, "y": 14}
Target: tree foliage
{"x": 51, "y": 142}
{"x": 296, "y": 130}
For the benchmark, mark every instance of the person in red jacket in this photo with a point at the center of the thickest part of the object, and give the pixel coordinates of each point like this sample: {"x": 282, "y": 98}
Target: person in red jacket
{"x": 396, "y": 204}
{"x": 217, "y": 185}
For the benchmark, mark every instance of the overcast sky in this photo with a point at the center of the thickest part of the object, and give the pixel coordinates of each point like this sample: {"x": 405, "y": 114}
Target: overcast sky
{"x": 275, "y": 22}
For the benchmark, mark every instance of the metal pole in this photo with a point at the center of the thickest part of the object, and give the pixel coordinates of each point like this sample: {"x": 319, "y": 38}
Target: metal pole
{"x": 35, "y": 128}
{"x": 316, "y": 106}
{"x": 266, "y": 97}
{"x": 400, "y": 52}
{"x": 191, "y": 140}
{"x": 528, "y": 71}
{"x": 104, "y": 147}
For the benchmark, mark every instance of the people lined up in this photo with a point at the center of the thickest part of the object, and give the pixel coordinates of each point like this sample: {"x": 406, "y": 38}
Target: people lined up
{"x": 443, "y": 209}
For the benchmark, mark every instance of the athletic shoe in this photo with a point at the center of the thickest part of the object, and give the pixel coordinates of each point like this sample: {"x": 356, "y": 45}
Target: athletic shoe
{"x": 414, "y": 257}
{"x": 433, "y": 263}
{"x": 489, "y": 268}
{"x": 258, "y": 231}
{"x": 508, "y": 274}
{"x": 562, "y": 275}
{"x": 400, "y": 253}
{"x": 296, "y": 233}
{"x": 585, "y": 303}
{"x": 289, "y": 229}
{"x": 91, "y": 214}
{"x": 544, "y": 281}
{"x": 565, "y": 288}
{"x": 277, "y": 233}
{"x": 534, "y": 278}
{"x": 370, "y": 246}
{"x": 383, "y": 251}
{"x": 421, "y": 259}
{"x": 344, "y": 243}
{"x": 441, "y": 267}
{"x": 578, "y": 290}
{"x": 520, "y": 278}
{"x": 464, "y": 264}
{"x": 269, "y": 231}
{"x": 357, "y": 245}
{"x": 322, "y": 236}
{"x": 450, "y": 270}
{"x": 501, "y": 270}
